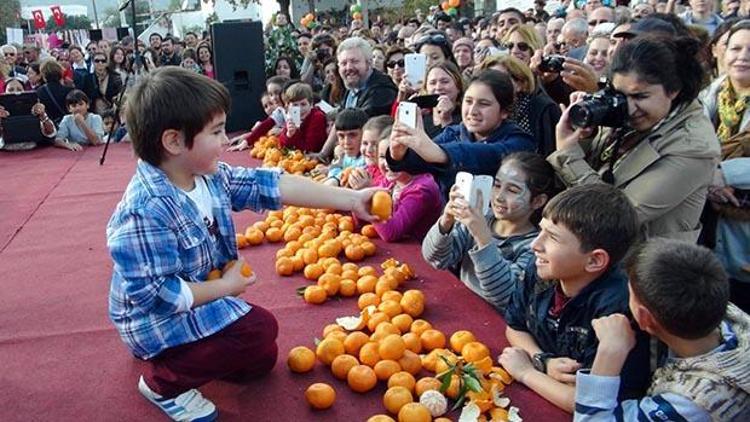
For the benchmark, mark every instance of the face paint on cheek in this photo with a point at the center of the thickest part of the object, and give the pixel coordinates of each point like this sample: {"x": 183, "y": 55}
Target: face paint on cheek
{"x": 516, "y": 202}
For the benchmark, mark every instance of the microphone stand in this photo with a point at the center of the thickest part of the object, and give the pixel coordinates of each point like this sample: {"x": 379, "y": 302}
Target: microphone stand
{"x": 133, "y": 68}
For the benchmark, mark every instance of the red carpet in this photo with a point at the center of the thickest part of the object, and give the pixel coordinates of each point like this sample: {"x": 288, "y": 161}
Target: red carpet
{"x": 62, "y": 358}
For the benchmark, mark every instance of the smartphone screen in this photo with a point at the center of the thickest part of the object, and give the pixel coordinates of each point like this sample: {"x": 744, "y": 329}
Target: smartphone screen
{"x": 295, "y": 114}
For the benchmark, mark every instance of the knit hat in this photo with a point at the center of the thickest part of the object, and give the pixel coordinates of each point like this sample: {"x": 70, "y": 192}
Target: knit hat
{"x": 464, "y": 41}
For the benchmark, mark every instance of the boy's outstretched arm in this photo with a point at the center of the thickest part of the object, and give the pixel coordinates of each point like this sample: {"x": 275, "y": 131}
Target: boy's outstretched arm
{"x": 303, "y": 192}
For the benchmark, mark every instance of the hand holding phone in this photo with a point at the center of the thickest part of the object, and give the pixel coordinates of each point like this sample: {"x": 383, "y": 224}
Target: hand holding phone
{"x": 415, "y": 68}
{"x": 295, "y": 115}
{"x": 407, "y": 114}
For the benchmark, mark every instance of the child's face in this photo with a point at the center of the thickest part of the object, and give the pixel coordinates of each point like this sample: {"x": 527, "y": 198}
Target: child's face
{"x": 203, "y": 157}
{"x": 350, "y": 141}
{"x": 369, "y": 147}
{"x": 269, "y": 104}
{"x": 391, "y": 176}
{"x": 558, "y": 253}
{"x": 275, "y": 90}
{"x": 107, "y": 121}
{"x": 304, "y": 107}
{"x": 511, "y": 197}
{"x": 81, "y": 107}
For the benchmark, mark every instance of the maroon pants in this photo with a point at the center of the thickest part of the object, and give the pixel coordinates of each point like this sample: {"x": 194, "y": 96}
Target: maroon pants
{"x": 243, "y": 350}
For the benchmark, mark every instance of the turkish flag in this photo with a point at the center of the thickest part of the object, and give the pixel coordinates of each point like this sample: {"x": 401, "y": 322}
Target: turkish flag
{"x": 39, "y": 22}
{"x": 58, "y": 15}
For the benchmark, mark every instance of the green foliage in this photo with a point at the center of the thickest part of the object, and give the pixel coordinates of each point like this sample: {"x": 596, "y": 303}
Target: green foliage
{"x": 9, "y": 14}
{"x": 71, "y": 22}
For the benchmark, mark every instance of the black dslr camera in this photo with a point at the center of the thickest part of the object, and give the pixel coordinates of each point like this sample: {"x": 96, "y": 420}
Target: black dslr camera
{"x": 553, "y": 63}
{"x": 603, "y": 108}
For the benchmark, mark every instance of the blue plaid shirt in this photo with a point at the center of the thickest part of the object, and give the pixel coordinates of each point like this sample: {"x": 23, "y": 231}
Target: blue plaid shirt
{"x": 157, "y": 238}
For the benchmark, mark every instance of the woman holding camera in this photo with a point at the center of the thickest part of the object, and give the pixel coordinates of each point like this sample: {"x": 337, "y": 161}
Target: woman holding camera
{"x": 725, "y": 101}
{"x": 663, "y": 150}
{"x": 476, "y": 145}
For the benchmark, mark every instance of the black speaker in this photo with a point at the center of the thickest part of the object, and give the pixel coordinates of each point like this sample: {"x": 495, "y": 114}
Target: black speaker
{"x": 239, "y": 65}
{"x": 122, "y": 33}
{"x": 95, "y": 34}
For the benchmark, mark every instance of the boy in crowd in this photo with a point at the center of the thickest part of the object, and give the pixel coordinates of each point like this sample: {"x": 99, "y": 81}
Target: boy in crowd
{"x": 80, "y": 127}
{"x": 348, "y": 125}
{"x": 679, "y": 293}
{"x": 309, "y": 133}
{"x": 174, "y": 225}
{"x": 585, "y": 231}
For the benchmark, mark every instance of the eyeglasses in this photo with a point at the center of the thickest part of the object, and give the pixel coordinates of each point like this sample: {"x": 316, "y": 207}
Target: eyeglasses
{"x": 394, "y": 63}
{"x": 521, "y": 46}
{"x": 597, "y": 22}
{"x": 559, "y": 45}
{"x": 8, "y": 54}
{"x": 100, "y": 61}
{"x": 432, "y": 39}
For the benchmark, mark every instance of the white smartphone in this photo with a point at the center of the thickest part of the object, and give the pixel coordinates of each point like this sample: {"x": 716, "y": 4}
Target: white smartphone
{"x": 415, "y": 68}
{"x": 325, "y": 107}
{"x": 295, "y": 115}
{"x": 469, "y": 186}
{"x": 407, "y": 114}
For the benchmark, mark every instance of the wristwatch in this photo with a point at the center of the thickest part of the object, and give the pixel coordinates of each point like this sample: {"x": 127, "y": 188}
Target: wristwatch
{"x": 540, "y": 361}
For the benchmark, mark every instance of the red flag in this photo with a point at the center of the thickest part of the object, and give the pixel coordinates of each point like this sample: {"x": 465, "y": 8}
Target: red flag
{"x": 39, "y": 22}
{"x": 58, "y": 15}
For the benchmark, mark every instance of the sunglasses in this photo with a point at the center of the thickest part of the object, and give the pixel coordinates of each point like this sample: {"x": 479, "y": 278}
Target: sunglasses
{"x": 100, "y": 61}
{"x": 521, "y": 46}
{"x": 432, "y": 39}
{"x": 559, "y": 45}
{"x": 597, "y": 22}
{"x": 392, "y": 64}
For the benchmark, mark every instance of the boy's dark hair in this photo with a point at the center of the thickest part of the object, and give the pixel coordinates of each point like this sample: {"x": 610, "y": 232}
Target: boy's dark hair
{"x": 157, "y": 103}
{"x": 599, "y": 215}
{"x": 683, "y": 285}
{"x": 350, "y": 119}
{"x": 108, "y": 114}
{"x": 76, "y": 96}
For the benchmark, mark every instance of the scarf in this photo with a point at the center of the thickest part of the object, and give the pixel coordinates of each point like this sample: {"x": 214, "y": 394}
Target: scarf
{"x": 731, "y": 110}
{"x": 521, "y": 109}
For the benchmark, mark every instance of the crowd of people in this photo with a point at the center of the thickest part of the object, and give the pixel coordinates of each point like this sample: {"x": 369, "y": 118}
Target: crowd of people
{"x": 616, "y": 137}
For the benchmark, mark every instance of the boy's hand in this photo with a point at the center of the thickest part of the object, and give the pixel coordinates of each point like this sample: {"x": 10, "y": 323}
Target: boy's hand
{"x": 361, "y": 206}
{"x": 614, "y": 333}
{"x": 563, "y": 369}
{"x": 236, "y": 282}
{"x": 78, "y": 118}
{"x": 517, "y": 362}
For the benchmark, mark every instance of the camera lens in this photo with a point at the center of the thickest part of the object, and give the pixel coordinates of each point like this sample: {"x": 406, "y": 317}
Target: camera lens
{"x": 580, "y": 116}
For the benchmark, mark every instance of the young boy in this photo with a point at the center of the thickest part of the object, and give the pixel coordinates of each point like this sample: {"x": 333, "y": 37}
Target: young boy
{"x": 174, "y": 225}
{"x": 349, "y": 124}
{"x": 679, "y": 293}
{"x": 311, "y": 133}
{"x": 80, "y": 127}
{"x": 584, "y": 232}
{"x": 372, "y": 134}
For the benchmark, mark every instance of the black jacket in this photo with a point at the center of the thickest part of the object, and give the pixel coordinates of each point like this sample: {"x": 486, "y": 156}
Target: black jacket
{"x": 378, "y": 96}
{"x": 56, "y": 108}
{"x": 544, "y": 114}
{"x": 91, "y": 88}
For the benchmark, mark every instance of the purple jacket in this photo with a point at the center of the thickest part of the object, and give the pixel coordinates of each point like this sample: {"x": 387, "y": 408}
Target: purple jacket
{"x": 415, "y": 211}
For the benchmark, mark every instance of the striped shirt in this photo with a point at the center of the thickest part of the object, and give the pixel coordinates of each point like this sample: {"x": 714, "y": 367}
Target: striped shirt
{"x": 492, "y": 272}
{"x": 158, "y": 240}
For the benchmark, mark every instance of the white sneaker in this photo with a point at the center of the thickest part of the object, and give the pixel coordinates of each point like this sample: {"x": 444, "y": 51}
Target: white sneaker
{"x": 188, "y": 406}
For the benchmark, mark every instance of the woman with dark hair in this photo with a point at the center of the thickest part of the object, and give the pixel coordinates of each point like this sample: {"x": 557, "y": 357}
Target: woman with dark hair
{"x": 725, "y": 102}
{"x": 476, "y": 145}
{"x": 34, "y": 75}
{"x": 664, "y": 153}
{"x": 103, "y": 85}
{"x": 284, "y": 66}
{"x": 206, "y": 61}
{"x": 394, "y": 63}
{"x": 436, "y": 46}
{"x": 52, "y": 94}
{"x": 118, "y": 62}
{"x": 718, "y": 46}
{"x": 333, "y": 91}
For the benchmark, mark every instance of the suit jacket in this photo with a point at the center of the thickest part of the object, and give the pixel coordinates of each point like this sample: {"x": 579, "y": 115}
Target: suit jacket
{"x": 377, "y": 96}
{"x": 665, "y": 176}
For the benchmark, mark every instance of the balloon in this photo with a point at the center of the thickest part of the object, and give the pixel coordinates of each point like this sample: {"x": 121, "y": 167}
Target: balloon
{"x": 444, "y": 5}
{"x": 357, "y": 16}
{"x": 452, "y": 11}
{"x": 454, "y": 3}
{"x": 356, "y": 8}
{"x": 310, "y": 16}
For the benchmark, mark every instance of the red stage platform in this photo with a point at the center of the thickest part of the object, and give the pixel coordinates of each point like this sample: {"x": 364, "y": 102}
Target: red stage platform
{"x": 62, "y": 358}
